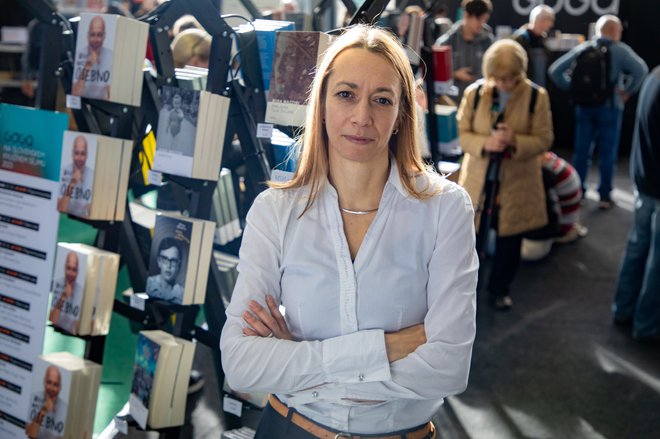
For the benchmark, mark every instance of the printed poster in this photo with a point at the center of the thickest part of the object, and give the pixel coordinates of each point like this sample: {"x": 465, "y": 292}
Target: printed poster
{"x": 30, "y": 152}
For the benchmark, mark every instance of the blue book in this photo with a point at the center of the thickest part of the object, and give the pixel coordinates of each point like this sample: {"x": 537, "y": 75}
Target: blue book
{"x": 31, "y": 141}
{"x": 266, "y": 35}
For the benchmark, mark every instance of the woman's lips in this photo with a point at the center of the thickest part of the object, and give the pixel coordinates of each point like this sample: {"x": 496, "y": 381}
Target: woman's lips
{"x": 358, "y": 139}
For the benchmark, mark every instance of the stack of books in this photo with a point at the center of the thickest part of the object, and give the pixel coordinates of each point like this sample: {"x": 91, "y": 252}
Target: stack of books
{"x": 191, "y": 133}
{"x": 226, "y": 264}
{"x": 191, "y": 77}
{"x": 110, "y": 52}
{"x": 224, "y": 210}
{"x": 179, "y": 259}
{"x": 266, "y": 34}
{"x": 160, "y": 379}
{"x": 94, "y": 172}
{"x": 63, "y": 400}
{"x": 84, "y": 284}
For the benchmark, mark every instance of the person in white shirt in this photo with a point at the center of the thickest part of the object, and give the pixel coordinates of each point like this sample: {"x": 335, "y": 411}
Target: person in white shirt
{"x": 372, "y": 256}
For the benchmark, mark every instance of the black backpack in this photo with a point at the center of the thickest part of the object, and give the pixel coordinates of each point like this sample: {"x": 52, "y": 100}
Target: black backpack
{"x": 590, "y": 80}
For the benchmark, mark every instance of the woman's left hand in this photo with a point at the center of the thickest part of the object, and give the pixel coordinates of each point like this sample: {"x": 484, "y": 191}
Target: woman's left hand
{"x": 266, "y": 322}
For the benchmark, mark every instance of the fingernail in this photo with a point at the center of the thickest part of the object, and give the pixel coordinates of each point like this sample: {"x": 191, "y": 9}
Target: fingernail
{"x": 247, "y": 315}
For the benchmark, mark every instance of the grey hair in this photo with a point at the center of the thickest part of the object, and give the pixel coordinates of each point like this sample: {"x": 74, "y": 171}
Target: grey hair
{"x": 541, "y": 11}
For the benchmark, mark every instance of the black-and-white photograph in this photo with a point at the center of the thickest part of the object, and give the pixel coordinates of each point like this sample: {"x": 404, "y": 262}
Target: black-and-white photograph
{"x": 177, "y": 121}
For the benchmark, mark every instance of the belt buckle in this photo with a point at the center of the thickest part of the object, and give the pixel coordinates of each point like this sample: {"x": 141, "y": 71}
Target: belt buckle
{"x": 340, "y": 435}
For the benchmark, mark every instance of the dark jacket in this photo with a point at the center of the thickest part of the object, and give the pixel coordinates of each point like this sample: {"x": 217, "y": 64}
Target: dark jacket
{"x": 645, "y": 155}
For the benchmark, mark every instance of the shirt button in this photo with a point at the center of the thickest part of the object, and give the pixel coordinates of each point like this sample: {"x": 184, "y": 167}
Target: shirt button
{"x": 315, "y": 394}
{"x": 361, "y": 377}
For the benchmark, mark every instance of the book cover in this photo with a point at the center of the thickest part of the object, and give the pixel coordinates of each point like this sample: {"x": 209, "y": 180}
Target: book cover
{"x": 68, "y": 289}
{"x": 49, "y": 401}
{"x": 93, "y": 65}
{"x": 177, "y": 129}
{"x": 31, "y": 141}
{"x": 169, "y": 255}
{"x": 78, "y": 162}
{"x": 294, "y": 65}
{"x": 144, "y": 369}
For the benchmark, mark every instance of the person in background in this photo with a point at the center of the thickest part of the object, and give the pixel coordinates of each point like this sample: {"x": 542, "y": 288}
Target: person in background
{"x": 599, "y": 126}
{"x": 532, "y": 37}
{"x": 380, "y": 319}
{"x": 184, "y": 23}
{"x": 191, "y": 47}
{"x": 637, "y": 297}
{"x": 504, "y": 138}
{"x": 563, "y": 190}
{"x": 469, "y": 38}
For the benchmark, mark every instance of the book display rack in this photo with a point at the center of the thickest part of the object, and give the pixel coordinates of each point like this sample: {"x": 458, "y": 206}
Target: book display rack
{"x": 111, "y": 118}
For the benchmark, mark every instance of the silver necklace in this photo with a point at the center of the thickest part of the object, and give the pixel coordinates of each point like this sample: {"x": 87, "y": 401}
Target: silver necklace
{"x": 358, "y": 212}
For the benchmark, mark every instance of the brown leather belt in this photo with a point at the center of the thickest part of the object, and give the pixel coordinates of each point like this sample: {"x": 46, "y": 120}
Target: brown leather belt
{"x": 321, "y": 432}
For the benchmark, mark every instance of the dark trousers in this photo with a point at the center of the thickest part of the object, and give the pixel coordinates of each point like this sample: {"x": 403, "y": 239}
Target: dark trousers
{"x": 505, "y": 265}
{"x": 507, "y": 249}
{"x": 273, "y": 426}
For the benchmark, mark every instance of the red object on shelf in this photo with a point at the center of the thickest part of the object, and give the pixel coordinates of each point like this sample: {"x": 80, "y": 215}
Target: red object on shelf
{"x": 442, "y": 69}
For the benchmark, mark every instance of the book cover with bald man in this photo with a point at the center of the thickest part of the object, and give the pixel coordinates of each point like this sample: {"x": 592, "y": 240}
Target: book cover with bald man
{"x": 110, "y": 53}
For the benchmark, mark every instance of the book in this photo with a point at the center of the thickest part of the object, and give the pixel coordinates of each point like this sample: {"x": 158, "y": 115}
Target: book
{"x": 266, "y": 36}
{"x": 227, "y": 266}
{"x": 160, "y": 379}
{"x": 224, "y": 210}
{"x": 84, "y": 284}
{"x": 294, "y": 65}
{"x": 284, "y": 151}
{"x": 63, "y": 399}
{"x": 179, "y": 259}
{"x": 191, "y": 132}
{"x": 110, "y": 52}
{"x": 94, "y": 174}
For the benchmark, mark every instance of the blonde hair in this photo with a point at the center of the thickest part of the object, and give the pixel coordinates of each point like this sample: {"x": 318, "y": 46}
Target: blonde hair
{"x": 190, "y": 43}
{"x": 504, "y": 58}
{"x": 313, "y": 160}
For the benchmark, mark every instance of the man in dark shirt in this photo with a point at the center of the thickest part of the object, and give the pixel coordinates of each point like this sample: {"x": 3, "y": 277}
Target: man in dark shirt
{"x": 637, "y": 298}
{"x": 532, "y": 37}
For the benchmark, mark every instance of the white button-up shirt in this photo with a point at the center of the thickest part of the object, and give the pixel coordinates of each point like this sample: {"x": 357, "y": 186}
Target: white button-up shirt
{"x": 417, "y": 263}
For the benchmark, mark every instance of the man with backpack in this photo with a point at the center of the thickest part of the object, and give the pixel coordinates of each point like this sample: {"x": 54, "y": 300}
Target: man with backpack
{"x": 600, "y": 74}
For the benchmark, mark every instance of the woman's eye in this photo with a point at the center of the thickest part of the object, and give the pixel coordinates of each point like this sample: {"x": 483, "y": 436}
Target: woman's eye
{"x": 344, "y": 94}
{"x": 384, "y": 101}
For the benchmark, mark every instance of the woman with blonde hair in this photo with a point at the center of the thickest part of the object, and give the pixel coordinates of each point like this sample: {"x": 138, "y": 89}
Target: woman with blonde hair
{"x": 372, "y": 258}
{"x": 505, "y": 126}
{"x": 191, "y": 47}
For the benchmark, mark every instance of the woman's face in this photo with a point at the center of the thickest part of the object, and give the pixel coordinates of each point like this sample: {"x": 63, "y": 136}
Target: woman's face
{"x": 361, "y": 106}
{"x": 506, "y": 83}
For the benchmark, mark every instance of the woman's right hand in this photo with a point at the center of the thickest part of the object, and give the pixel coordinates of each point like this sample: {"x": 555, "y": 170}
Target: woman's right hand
{"x": 401, "y": 343}
{"x": 266, "y": 322}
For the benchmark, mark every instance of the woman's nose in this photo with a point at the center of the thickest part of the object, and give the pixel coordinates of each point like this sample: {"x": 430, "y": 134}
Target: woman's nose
{"x": 362, "y": 113}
